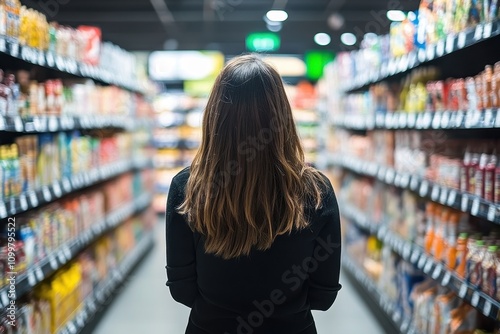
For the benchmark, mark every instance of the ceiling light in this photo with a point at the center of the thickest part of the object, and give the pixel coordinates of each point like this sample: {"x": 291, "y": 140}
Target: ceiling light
{"x": 336, "y": 21}
{"x": 274, "y": 27}
{"x": 322, "y": 39}
{"x": 348, "y": 38}
{"x": 396, "y": 15}
{"x": 412, "y": 16}
{"x": 277, "y": 15}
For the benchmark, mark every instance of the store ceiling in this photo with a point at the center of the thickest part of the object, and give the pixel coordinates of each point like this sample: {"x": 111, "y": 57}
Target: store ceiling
{"x": 146, "y": 25}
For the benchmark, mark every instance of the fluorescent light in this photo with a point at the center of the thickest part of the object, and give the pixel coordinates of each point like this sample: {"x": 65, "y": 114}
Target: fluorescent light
{"x": 322, "y": 39}
{"x": 277, "y": 15}
{"x": 348, "y": 39}
{"x": 396, "y": 15}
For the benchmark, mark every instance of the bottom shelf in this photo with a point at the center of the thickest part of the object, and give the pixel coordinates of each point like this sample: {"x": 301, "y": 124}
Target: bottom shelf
{"x": 392, "y": 318}
{"x": 98, "y": 301}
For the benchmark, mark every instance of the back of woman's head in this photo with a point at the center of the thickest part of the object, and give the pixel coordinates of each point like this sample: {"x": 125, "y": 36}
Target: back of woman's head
{"x": 249, "y": 182}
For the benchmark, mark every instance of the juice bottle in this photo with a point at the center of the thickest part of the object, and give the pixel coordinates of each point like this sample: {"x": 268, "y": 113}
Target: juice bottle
{"x": 480, "y": 175}
{"x": 496, "y": 186}
{"x": 474, "y": 164}
{"x": 3, "y": 19}
{"x": 461, "y": 255}
{"x": 16, "y": 171}
{"x": 475, "y": 263}
{"x": 429, "y": 234}
{"x": 464, "y": 170}
{"x": 489, "y": 177}
{"x": 440, "y": 236}
{"x": 451, "y": 241}
{"x": 489, "y": 281}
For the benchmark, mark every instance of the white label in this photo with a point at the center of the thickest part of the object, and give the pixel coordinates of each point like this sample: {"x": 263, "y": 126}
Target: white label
{"x": 404, "y": 326}
{"x": 475, "y": 299}
{"x": 422, "y": 262}
{"x": 67, "y": 253}
{"x": 444, "y": 196}
{"x": 50, "y": 59}
{"x": 66, "y": 185}
{"x": 487, "y": 308}
{"x": 57, "y": 189}
{"x": 428, "y": 266}
{"x": 492, "y": 213}
{"x": 446, "y": 279}
{"x": 406, "y": 251}
{"x": 475, "y": 207}
{"x": 33, "y": 199}
{"x": 18, "y": 124}
{"x": 61, "y": 257}
{"x": 487, "y": 30}
{"x": 461, "y": 40}
{"x": 31, "y": 278}
{"x": 71, "y": 327}
{"x": 450, "y": 43}
{"x": 5, "y": 298}
{"x": 53, "y": 262}
{"x": 424, "y": 188}
{"x": 430, "y": 52}
{"x": 436, "y": 121}
{"x": 2, "y": 123}
{"x": 459, "y": 119}
{"x": 421, "y": 55}
{"x": 437, "y": 271}
{"x": 435, "y": 193}
{"x": 23, "y": 202}
{"x": 14, "y": 49}
{"x": 440, "y": 48}
{"x": 463, "y": 291}
{"x": 39, "y": 274}
{"x": 79, "y": 321}
{"x": 3, "y": 210}
{"x": 46, "y": 194}
{"x": 478, "y": 34}
{"x": 414, "y": 183}
{"x": 3, "y": 45}
{"x": 465, "y": 203}
{"x": 53, "y": 124}
{"x": 445, "y": 119}
{"x": 488, "y": 118}
{"x": 452, "y": 197}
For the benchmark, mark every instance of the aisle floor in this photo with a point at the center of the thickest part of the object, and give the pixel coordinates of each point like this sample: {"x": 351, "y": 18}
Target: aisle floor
{"x": 144, "y": 304}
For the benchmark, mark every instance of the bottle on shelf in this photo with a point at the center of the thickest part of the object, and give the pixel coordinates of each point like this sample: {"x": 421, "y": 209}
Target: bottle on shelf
{"x": 429, "y": 235}
{"x": 475, "y": 263}
{"x": 488, "y": 283}
{"x": 461, "y": 256}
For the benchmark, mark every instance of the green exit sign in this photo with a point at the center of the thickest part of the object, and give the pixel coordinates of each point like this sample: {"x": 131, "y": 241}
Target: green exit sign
{"x": 263, "y": 41}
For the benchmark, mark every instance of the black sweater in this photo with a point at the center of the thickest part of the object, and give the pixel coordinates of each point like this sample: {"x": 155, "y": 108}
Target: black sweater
{"x": 268, "y": 292}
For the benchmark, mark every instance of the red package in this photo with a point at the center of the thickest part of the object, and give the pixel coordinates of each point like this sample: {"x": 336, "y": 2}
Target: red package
{"x": 92, "y": 44}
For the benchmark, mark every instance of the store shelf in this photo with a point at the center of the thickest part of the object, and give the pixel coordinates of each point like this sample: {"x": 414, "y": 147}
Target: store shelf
{"x": 435, "y": 269}
{"x": 451, "y": 44}
{"x": 98, "y": 301}
{"x": 446, "y": 120}
{"x": 48, "y": 194}
{"x": 450, "y": 197}
{"x": 33, "y": 276}
{"x": 64, "y": 65}
{"x": 397, "y": 319}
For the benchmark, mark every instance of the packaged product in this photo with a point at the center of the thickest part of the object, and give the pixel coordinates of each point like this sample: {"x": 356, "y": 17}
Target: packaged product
{"x": 463, "y": 319}
{"x": 474, "y": 263}
{"x": 443, "y": 306}
{"x": 489, "y": 281}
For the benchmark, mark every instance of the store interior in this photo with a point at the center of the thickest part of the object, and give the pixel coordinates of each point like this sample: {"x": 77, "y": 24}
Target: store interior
{"x": 101, "y": 105}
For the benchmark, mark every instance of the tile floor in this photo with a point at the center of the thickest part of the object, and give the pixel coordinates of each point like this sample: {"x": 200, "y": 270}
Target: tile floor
{"x": 145, "y": 306}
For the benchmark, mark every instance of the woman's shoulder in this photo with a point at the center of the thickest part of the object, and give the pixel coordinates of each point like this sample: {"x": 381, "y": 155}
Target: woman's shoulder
{"x": 181, "y": 178}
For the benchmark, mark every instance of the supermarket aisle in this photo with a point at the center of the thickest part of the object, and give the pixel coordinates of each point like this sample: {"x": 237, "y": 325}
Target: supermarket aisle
{"x": 145, "y": 305}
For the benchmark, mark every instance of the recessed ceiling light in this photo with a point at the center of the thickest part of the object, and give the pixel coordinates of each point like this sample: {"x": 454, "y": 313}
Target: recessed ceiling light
{"x": 348, "y": 39}
{"x": 277, "y": 15}
{"x": 396, "y": 15}
{"x": 336, "y": 21}
{"x": 274, "y": 27}
{"x": 322, "y": 39}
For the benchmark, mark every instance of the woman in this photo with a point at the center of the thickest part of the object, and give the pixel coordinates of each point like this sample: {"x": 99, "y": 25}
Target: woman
{"x": 253, "y": 233}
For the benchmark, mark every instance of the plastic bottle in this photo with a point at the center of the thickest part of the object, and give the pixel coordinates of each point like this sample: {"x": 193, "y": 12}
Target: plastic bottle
{"x": 464, "y": 170}
{"x": 489, "y": 177}
{"x": 442, "y": 218}
{"x": 475, "y": 264}
{"x": 480, "y": 175}
{"x": 489, "y": 281}
{"x": 451, "y": 241}
{"x": 496, "y": 186}
{"x": 16, "y": 170}
{"x": 461, "y": 255}
{"x": 429, "y": 234}
{"x": 474, "y": 164}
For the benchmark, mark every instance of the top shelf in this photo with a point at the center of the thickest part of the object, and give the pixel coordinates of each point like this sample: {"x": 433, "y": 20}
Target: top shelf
{"x": 453, "y": 43}
{"x": 55, "y": 62}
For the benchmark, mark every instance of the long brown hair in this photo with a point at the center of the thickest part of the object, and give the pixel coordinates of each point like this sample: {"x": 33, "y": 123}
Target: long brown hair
{"x": 249, "y": 182}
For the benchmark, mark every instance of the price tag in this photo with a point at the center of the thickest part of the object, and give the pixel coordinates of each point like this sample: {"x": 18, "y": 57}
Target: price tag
{"x": 497, "y": 120}
{"x": 46, "y": 194}
{"x": 478, "y": 34}
{"x": 50, "y": 59}
{"x": 488, "y": 27}
{"x": 62, "y": 258}
{"x": 411, "y": 120}
{"x": 444, "y": 196}
{"x": 41, "y": 59}
{"x": 420, "y": 121}
{"x": 66, "y": 185}
{"x": 405, "y": 180}
{"x": 475, "y": 207}
{"x": 428, "y": 266}
{"x": 389, "y": 176}
{"x": 487, "y": 308}
{"x": 67, "y": 253}
{"x": 452, "y": 197}
{"x": 79, "y": 321}
{"x": 435, "y": 193}
{"x": 53, "y": 124}
{"x": 440, "y": 48}
{"x": 3, "y": 45}
{"x": 446, "y": 279}
{"x": 5, "y": 298}
{"x": 31, "y": 278}
{"x": 2, "y": 123}
{"x": 465, "y": 203}
{"x": 437, "y": 271}
{"x": 406, "y": 251}
{"x": 488, "y": 118}
{"x": 3, "y": 210}
{"x": 23, "y": 202}
{"x": 463, "y": 291}
{"x": 53, "y": 262}
{"x": 14, "y": 50}
{"x": 71, "y": 327}
{"x": 18, "y": 124}
{"x": 421, "y": 55}
{"x": 430, "y": 52}
{"x": 424, "y": 188}
{"x": 421, "y": 262}
{"x": 39, "y": 274}
{"x": 404, "y": 326}
{"x": 492, "y": 213}
{"x": 450, "y": 43}
{"x": 33, "y": 199}
{"x": 475, "y": 299}
{"x": 414, "y": 183}
{"x": 461, "y": 40}
{"x": 57, "y": 189}
{"x": 445, "y": 119}
{"x": 436, "y": 121}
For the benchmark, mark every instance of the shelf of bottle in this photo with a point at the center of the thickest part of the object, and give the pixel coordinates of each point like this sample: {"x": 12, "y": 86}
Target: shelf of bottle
{"x": 58, "y": 63}
{"x": 414, "y": 254}
{"x": 451, "y": 44}
{"x": 456, "y": 199}
{"x": 439, "y": 120}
